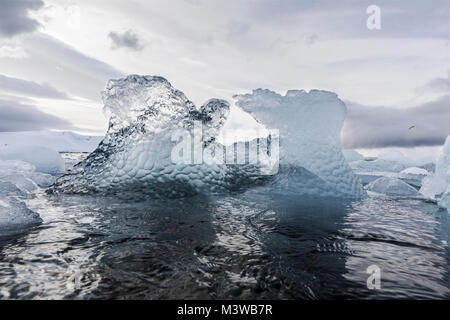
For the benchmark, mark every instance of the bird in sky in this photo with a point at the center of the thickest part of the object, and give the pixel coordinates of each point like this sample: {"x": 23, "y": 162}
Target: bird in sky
{"x": 412, "y": 127}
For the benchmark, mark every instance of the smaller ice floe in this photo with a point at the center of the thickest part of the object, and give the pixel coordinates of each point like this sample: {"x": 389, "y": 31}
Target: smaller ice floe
{"x": 377, "y": 165}
{"x": 44, "y": 159}
{"x": 435, "y": 185}
{"x": 392, "y": 187}
{"x": 19, "y": 182}
{"x": 413, "y": 176}
{"x": 14, "y": 215}
{"x": 352, "y": 155}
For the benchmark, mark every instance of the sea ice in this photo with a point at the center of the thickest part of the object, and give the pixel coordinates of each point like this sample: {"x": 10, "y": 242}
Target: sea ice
{"x": 392, "y": 187}
{"x": 44, "y": 159}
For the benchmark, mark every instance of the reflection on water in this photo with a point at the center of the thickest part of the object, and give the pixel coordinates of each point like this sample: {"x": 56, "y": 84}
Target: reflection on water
{"x": 245, "y": 246}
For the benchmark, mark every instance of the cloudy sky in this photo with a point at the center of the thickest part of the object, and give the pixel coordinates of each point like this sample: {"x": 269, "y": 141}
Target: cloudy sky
{"x": 56, "y": 56}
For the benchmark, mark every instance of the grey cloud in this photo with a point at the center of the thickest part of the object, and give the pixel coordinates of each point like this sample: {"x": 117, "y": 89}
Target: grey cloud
{"x": 16, "y": 116}
{"x": 14, "y": 17}
{"x": 347, "y": 18}
{"x": 377, "y": 127}
{"x": 30, "y": 88}
{"x": 81, "y": 74}
{"x": 128, "y": 39}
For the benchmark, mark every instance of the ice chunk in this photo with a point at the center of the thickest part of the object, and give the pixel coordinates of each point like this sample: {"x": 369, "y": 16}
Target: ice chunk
{"x": 14, "y": 214}
{"x": 434, "y": 185}
{"x": 44, "y": 159}
{"x": 392, "y": 187}
{"x": 352, "y": 155}
{"x": 310, "y": 126}
{"x": 445, "y": 201}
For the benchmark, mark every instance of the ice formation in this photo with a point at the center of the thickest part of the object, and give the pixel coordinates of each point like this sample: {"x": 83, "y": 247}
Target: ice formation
{"x": 310, "y": 125}
{"x": 18, "y": 182}
{"x": 136, "y": 153}
{"x": 436, "y": 184}
{"x": 392, "y": 187}
{"x": 44, "y": 159}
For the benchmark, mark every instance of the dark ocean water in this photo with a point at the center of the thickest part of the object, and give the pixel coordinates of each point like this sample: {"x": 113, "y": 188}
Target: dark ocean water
{"x": 250, "y": 245}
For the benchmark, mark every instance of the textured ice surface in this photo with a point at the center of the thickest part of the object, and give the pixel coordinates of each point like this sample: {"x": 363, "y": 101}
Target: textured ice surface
{"x": 434, "y": 185}
{"x": 144, "y": 111}
{"x": 310, "y": 126}
{"x": 44, "y": 159}
{"x": 392, "y": 187}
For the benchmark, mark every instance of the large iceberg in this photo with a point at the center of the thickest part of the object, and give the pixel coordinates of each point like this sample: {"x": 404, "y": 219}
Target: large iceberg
{"x": 145, "y": 112}
{"x": 435, "y": 185}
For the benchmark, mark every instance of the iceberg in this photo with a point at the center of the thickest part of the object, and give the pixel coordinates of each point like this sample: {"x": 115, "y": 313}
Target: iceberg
{"x": 310, "y": 126}
{"x": 145, "y": 112}
{"x": 392, "y": 187}
{"x": 44, "y": 159}
{"x": 435, "y": 185}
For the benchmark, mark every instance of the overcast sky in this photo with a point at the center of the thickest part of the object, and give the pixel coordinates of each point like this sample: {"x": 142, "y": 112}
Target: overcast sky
{"x": 56, "y": 56}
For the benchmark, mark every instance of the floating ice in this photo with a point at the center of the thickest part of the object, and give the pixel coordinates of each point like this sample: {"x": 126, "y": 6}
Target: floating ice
{"x": 392, "y": 187}
{"x": 136, "y": 153}
{"x": 434, "y": 185}
{"x": 44, "y": 159}
{"x": 310, "y": 126}
{"x": 16, "y": 185}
